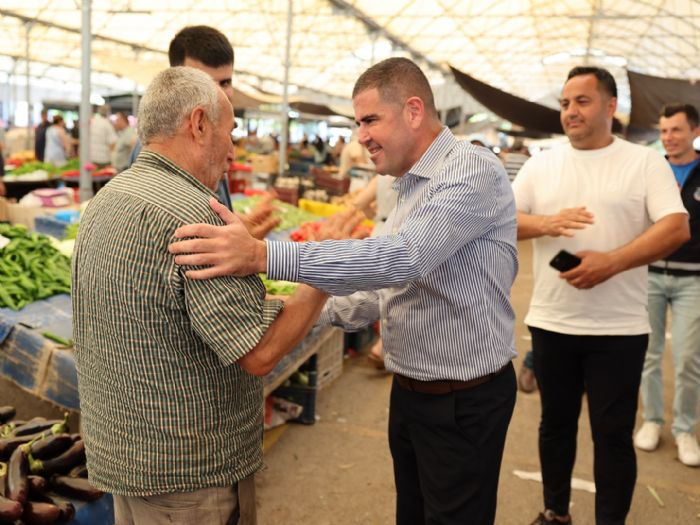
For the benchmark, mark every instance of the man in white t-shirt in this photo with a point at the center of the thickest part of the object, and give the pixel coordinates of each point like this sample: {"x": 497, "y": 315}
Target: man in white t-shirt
{"x": 102, "y": 138}
{"x": 616, "y": 206}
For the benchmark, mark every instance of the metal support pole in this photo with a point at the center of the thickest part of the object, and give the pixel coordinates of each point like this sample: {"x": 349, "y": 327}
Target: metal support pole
{"x": 135, "y": 92}
{"x": 85, "y": 110}
{"x": 27, "y": 93}
{"x": 285, "y": 96}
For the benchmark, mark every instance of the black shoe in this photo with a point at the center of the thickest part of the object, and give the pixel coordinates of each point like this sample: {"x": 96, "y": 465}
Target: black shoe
{"x": 547, "y": 518}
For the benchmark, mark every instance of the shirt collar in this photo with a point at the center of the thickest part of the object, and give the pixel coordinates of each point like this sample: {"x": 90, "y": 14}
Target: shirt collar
{"x": 432, "y": 160}
{"x": 158, "y": 161}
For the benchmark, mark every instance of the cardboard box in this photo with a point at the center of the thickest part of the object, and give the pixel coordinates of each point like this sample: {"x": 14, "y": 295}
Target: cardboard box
{"x": 18, "y": 214}
{"x": 264, "y": 163}
{"x": 4, "y": 217}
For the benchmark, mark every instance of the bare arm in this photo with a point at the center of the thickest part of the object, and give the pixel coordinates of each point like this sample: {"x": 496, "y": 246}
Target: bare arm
{"x": 659, "y": 240}
{"x": 291, "y": 326}
{"x": 363, "y": 201}
{"x": 560, "y": 224}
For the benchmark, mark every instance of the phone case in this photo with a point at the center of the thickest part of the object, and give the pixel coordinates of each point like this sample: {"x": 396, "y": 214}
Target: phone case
{"x": 564, "y": 261}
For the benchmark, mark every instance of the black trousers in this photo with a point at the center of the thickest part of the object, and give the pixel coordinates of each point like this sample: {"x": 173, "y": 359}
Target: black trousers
{"x": 447, "y": 451}
{"x": 609, "y": 370}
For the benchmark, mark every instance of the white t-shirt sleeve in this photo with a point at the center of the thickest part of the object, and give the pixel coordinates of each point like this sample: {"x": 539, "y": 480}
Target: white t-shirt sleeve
{"x": 523, "y": 186}
{"x": 663, "y": 196}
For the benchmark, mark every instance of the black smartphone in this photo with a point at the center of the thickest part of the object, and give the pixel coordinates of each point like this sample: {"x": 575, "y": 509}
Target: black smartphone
{"x": 564, "y": 261}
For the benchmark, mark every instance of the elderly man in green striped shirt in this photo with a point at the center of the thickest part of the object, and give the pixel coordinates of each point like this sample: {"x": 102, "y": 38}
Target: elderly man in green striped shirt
{"x": 168, "y": 367}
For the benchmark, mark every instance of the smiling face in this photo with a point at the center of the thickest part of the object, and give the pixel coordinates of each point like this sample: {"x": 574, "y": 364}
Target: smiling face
{"x": 677, "y": 137}
{"x": 385, "y": 131}
{"x": 586, "y": 113}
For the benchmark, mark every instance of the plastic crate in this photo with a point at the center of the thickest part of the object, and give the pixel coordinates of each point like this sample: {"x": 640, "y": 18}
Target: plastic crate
{"x": 288, "y": 195}
{"x": 301, "y": 395}
{"x": 329, "y": 360}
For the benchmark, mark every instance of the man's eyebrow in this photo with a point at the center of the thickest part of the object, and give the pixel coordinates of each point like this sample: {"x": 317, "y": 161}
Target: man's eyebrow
{"x": 364, "y": 118}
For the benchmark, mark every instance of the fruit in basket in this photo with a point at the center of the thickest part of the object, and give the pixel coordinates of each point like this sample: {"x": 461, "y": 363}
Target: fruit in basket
{"x": 40, "y": 513}
{"x": 78, "y": 488}
{"x": 9, "y": 509}
{"x": 51, "y": 446}
{"x": 17, "y": 474}
{"x": 6, "y": 413}
{"x": 61, "y": 463}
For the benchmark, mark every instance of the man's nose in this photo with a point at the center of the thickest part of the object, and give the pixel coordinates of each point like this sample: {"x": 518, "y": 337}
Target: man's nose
{"x": 363, "y": 137}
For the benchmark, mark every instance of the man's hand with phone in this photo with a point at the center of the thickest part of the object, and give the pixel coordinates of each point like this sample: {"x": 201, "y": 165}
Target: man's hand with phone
{"x": 595, "y": 268}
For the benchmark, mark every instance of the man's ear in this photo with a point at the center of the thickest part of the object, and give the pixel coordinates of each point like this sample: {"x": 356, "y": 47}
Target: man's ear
{"x": 612, "y": 106}
{"x": 198, "y": 123}
{"x": 415, "y": 111}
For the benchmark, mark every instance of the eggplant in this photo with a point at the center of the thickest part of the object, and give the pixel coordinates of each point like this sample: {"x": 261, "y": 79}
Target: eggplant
{"x": 64, "y": 506}
{"x": 3, "y": 478}
{"x": 8, "y": 445}
{"x": 37, "y": 485}
{"x": 62, "y": 463}
{"x": 39, "y": 424}
{"x": 7, "y": 429}
{"x": 51, "y": 446}
{"x": 80, "y": 471}
{"x": 76, "y": 437}
{"x": 7, "y": 413}
{"x": 78, "y": 488}
{"x": 9, "y": 509}
{"x": 17, "y": 473}
{"x": 40, "y": 513}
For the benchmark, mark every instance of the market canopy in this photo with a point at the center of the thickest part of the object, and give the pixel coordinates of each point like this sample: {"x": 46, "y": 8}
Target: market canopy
{"x": 521, "y": 47}
{"x": 519, "y": 111}
{"x": 650, "y": 94}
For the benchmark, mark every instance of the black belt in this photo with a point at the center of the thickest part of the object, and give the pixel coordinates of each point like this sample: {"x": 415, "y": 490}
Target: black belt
{"x": 673, "y": 271}
{"x": 445, "y": 386}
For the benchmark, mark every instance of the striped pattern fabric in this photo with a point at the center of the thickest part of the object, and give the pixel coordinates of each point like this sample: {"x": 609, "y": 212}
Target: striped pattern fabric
{"x": 439, "y": 279}
{"x": 164, "y": 406}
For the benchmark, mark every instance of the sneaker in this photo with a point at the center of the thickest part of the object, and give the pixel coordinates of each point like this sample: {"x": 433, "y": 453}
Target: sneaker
{"x": 647, "y": 437}
{"x": 688, "y": 450}
{"x": 548, "y": 518}
{"x": 526, "y": 380}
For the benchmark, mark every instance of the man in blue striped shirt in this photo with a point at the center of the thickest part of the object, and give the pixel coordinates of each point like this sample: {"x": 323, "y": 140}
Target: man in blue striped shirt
{"x": 439, "y": 280}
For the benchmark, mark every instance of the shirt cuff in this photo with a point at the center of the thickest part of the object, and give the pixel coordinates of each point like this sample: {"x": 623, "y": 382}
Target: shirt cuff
{"x": 283, "y": 260}
{"x": 325, "y": 319}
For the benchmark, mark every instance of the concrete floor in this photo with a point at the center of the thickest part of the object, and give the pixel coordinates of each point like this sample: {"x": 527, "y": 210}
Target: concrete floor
{"x": 339, "y": 471}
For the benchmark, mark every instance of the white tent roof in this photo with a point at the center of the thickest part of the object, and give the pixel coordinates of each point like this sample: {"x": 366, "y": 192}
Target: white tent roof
{"x": 522, "y": 46}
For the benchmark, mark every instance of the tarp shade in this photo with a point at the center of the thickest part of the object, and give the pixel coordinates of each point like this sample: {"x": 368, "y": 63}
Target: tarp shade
{"x": 648, "y": 96}
{"x": 535, "y": 118}
{"x": 524, "y": 113}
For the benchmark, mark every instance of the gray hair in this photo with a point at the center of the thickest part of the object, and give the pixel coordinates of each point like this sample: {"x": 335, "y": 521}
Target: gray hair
{"x": 171, "y": 97}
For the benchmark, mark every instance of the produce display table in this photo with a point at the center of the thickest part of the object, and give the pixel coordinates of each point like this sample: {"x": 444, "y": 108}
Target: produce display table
{"x": 16, "y": 189}
{"x": 47, "y": 371}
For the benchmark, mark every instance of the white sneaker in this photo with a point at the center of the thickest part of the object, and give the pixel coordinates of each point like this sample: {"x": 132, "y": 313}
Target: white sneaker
{"x": 688, "y": 450}
{"x": 647, "y": 437}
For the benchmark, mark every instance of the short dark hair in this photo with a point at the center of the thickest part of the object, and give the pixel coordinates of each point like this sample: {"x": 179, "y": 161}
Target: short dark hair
{"x": 606, "y": 82}
{"x": 691, "y": 112}
{"x": 203, "y": 43}
{"x": 397, "y": 79}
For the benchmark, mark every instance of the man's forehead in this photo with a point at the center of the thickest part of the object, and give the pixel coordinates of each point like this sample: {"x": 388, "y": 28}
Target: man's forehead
{"x": 677, "y": 119}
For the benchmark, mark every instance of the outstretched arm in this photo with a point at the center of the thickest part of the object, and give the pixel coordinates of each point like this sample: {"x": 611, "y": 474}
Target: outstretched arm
{"x": 559, "y": 224}
{"x": 659, "y": 240}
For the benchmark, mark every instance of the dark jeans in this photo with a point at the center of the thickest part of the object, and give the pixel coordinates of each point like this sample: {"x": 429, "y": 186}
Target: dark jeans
{"x": 447, "y": 451}
{"x": 608, "y": 369}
